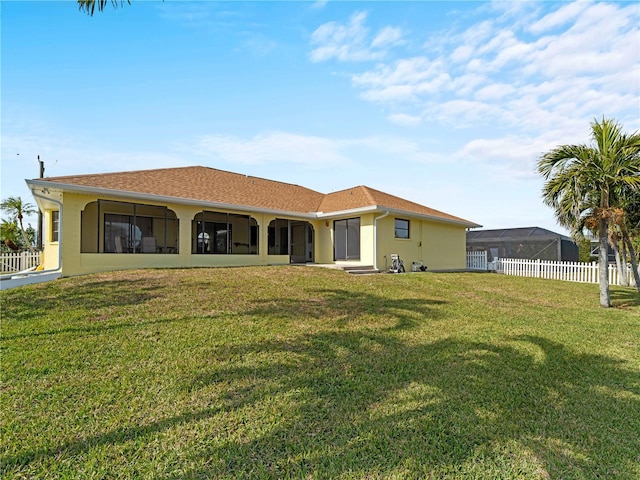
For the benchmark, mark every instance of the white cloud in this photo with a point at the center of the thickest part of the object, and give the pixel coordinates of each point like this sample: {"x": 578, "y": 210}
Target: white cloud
{"x": 405, "y": 120}
{"x": 494, "y": 91}
{"x": 405, "y": 80}
{"x": 319, "y": 4}
{"x": 387, "y": 36}
{"x": 274, "y": 147}
{"x": 462, "y": 53}
{"x": 350, "y": 42}
{"x": 462, "y": 113}
{"x": 527, "y": 68}
{"x": 560, "y": 17}
{"x": 284, "y": 148}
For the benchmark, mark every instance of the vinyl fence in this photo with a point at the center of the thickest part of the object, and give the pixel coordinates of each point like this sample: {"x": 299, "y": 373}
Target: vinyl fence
{"x": 477, "y": 260}
{"x": 16, "y": 262}
{"x": 569, "y": 271}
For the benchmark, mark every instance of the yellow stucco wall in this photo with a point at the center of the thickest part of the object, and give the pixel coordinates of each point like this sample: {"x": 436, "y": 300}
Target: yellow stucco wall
{"x": 74, "y": 242}
{"x": 324, "y": 237}
{"x": 444, "y": 246}
{"x": 51, "y": 248}
{"x": 439, "y": 246}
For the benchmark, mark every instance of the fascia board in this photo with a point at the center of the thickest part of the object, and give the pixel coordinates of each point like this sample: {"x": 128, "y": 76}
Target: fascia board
{"x": 395, "y": 211}
{"x": 64, "y": 187}
{"x": 241, "y": 208}
{"x": 343, "y": 213}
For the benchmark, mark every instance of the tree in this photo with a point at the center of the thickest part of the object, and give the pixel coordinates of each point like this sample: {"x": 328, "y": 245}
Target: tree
{"x": 583, "y": 183}
{"x": 630, "y": 228}
{"x": 9, "y": 236}
{"x": 584, "y": 249}
{"x": 17, "y": 209}
{"x": 89, "y": 6}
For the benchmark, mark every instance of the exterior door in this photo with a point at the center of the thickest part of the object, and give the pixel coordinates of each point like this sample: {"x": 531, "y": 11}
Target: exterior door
{"x": 310, "y": 243}
{"x": 346, "y": 241}
{"x": 301, "y": 242}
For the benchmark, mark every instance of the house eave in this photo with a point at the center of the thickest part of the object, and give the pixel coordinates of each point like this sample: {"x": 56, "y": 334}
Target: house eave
{"x": 396, "y": 211}
{"x": 46, "y": 185}
{"x": 162, "y": 199}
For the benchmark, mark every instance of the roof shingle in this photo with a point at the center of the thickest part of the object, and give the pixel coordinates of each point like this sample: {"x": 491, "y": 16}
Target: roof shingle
{"x": 218, "y": 186}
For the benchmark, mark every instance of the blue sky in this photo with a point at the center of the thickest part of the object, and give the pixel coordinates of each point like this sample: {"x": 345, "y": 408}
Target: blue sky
{"x": 448, "y": 104}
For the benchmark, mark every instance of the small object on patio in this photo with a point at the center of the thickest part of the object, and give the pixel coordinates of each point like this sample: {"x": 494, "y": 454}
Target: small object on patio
{"x": 149, "y": 245}
{"x": 118, "y": 244}
{"x": 396, "y": 264}
{"x": 418, "y": 267}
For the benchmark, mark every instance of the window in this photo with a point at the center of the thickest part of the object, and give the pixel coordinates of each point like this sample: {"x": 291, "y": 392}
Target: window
{"x": 402, "y": 228}
{"x": 55, "y": 225}
{"x": 123, "y": 233}
{"x": 224, "y": 233}
{"x": 278, "y": 237}
{"x": 121, "y": 227}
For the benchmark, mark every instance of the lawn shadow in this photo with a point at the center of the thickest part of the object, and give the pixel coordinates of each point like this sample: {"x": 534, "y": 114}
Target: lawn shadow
{"x": 625, "y": 297}
{"x": 95, "y": 328}
{"x": 371, "y": 406}
{"x": 380, "y": 406}
{"x": 368, "y": 403}
{"x": 346, "y": 306}
{"x": 89, "y": 295}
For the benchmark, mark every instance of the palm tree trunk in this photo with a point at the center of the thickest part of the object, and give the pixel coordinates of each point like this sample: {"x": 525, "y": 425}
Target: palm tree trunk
{"x": 24, "y": 236}
{"x": 634, "y": 263}
{"x": 621, "y": 264}
{"x": 603, "y": 267}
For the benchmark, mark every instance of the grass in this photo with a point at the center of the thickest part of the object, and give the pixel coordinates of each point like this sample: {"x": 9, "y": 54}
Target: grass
{"x": 293, "y": 372}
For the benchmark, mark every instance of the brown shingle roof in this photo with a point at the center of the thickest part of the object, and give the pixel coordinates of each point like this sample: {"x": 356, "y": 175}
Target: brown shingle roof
{"x": 218, "y": 186}
{"x": 363, "y": 196}
{"x": 205, "y": 184}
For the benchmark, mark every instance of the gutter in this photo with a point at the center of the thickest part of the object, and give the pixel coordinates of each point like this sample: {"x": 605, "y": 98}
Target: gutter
{"x": 58, "y": 269}
{"x": 163, "y": 199}
{"x": 375, "y": 239}
{"x": 243, "y": 208}
{"x": 409, "y": 213}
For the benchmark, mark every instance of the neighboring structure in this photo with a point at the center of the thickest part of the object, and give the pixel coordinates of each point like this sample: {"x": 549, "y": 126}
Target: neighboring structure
{"x": 203, "y": 217}
{"x": 530, "y": 243}
{"x": 594, "y": 250}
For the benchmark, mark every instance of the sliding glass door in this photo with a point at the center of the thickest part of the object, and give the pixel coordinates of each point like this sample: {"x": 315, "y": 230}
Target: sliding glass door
{"x": 346, "y": 241}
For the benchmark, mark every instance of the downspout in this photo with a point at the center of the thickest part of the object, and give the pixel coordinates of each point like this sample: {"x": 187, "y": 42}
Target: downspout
{"x": 59, "y": 267}
{"x": 375, "y": 239}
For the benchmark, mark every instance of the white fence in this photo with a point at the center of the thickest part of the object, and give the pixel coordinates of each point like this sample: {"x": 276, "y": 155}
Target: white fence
{"x": 477, "y": 260}
{"x": 16, "y": 262}
{"x": 569, "y": 271}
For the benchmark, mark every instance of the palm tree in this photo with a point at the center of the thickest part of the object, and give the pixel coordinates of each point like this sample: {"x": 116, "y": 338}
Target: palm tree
{"x": 17, "y": 209}
{"x": 89, "y": 6}
{"x": 583, "y": 183}
{"x": 630, "y": 226}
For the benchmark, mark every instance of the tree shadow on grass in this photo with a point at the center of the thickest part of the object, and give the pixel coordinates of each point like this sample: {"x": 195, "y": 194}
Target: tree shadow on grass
{"x": 88, "y": 296}
{"x": 368, "y": 405}
{"x": 372, "y": 406}
{"x": 344, "y": 306}
{"x": 625, "y": 297}
{"x": 95, "y": 328}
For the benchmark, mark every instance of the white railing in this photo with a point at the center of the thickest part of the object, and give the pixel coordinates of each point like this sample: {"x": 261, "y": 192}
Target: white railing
{"x": 17, "y": 262}
{"x": 477, "y": 260}
{"x": 569, "y": 271}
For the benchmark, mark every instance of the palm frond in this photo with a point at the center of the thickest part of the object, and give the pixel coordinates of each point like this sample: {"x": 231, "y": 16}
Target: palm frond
{"x": 89, "y": 6}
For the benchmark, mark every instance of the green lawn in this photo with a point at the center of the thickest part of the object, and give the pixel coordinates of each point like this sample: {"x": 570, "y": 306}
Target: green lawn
{"x": 298, "y": 372}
